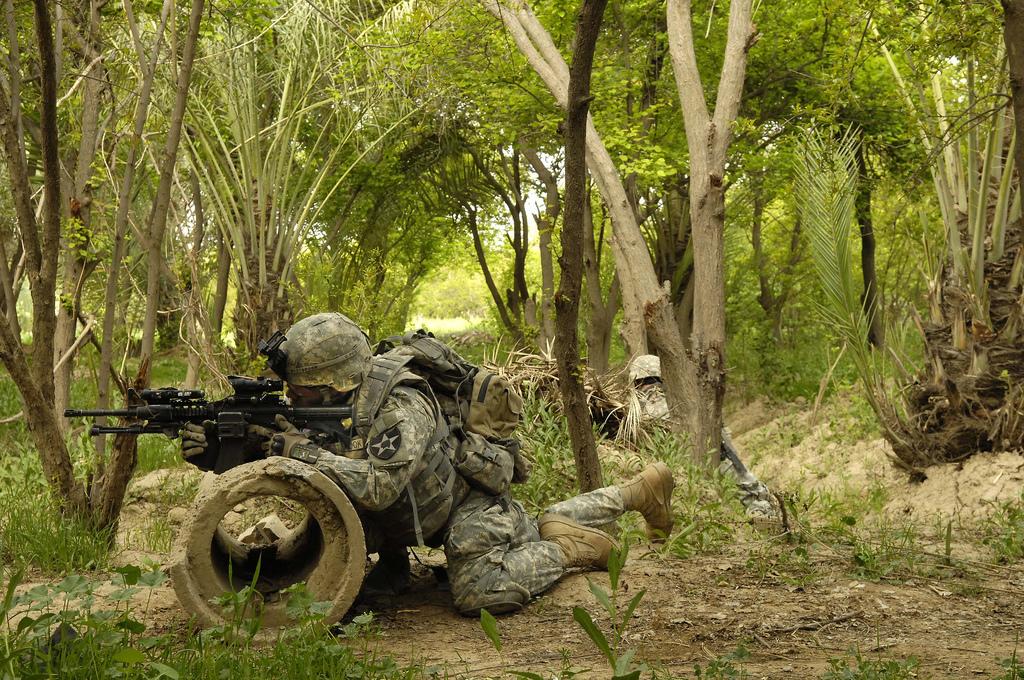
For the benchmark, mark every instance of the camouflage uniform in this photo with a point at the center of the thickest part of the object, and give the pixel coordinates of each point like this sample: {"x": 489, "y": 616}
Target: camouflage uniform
{"x": 757, "y": 499}
{"x": 397, "y": 469}
{"x": 496, "y": 558}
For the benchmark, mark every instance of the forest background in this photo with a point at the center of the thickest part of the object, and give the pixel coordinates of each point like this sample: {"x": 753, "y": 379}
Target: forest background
{"x": 828, "y": 191}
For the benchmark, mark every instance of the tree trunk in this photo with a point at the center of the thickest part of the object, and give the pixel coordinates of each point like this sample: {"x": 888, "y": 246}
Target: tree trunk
{"x": 194, "y": 287}
{"x": 545, "y": 226}
{"x": 148, "y": 72}
{"x": 869, "y": 298}
{"x": 78, "y": 264}
{"x": 570, "y": 370}
{"x": 708, "y": 136}
{"x": 161, "y": 203}
{"x": 639, "y": 285}
{"x": 481, "y": 256}
{"x": 1013, "y": 34}
{"x": 35, "y": 381}
{"x": 766, "y": 295}
{"x": 220, "y": 293}
{"x": 646, "y": 307}
{"x": 601, "y": 319}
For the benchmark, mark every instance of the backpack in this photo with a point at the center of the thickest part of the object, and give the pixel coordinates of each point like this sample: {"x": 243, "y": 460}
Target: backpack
{"x": 482, "y": 408}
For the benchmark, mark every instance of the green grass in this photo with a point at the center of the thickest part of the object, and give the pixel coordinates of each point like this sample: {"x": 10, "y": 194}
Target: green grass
{"x": 857, "y": 667}
{"x": 1004, "y": 531}
{"x": 68, "y": 630}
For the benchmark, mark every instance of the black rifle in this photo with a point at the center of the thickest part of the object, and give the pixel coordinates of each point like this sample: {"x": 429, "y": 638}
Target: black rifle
{"x": 256, "y": 401}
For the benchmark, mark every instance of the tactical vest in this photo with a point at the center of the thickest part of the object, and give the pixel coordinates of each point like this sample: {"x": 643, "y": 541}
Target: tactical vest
{"x": 435, "y": 489}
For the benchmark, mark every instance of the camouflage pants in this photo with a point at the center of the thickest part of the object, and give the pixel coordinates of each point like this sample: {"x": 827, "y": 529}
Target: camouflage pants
{"x": 496, "y": 558}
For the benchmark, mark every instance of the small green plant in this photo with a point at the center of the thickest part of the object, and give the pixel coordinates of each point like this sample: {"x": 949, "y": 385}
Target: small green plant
{"x": 621, "y": 661}
{"x": 723, "y": 667}
{"x": 1004, "y": 531}
{"x": 1013, "y": 668}
{"x": 861, "y": 668}
{"x": 70, "y": 630}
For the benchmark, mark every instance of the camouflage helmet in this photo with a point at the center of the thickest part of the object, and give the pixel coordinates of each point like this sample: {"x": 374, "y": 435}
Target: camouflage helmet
{"x": 644, "y": 366}
{"x": 327, "y": 349}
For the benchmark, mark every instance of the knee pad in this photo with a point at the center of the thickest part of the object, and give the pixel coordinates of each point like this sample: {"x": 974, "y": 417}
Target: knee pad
{"x": 509, "y": 599}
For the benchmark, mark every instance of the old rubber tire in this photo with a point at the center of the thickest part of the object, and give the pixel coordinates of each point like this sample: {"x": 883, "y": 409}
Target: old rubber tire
{"x": 327, "y": 551}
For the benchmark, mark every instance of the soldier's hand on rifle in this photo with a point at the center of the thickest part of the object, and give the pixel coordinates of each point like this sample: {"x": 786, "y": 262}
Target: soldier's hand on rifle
{"x": 196, "y": 438}
{"x": 284, "y": 442}
{"x": 280, "y": 442}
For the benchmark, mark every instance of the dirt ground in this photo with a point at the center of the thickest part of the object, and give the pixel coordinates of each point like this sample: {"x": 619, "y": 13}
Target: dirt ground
{"x": 698, "y": 609}
{"x": 959, "y": 622}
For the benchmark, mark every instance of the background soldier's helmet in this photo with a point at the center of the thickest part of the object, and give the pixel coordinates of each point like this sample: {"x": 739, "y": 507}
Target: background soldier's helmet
{"x": 644, "y": 366}
{"x": 327, "y": 349}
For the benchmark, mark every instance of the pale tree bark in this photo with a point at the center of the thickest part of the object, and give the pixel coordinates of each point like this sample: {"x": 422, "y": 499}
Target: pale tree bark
{"x": 194, "y": 297}
{"x": 707, "y": 136}
{"x": 543, "y": 56}
{"x": 570, "y": 368}
{"x": 545, "y": 226}
{"x": 647, "y": 310}
{"x": 161, "y": 203}
{"x": 1013, "y": 34}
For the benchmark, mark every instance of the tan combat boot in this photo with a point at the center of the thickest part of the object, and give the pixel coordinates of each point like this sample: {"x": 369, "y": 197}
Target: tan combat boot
{"x": 581, "y": 546}
{"x": 650, "y": 493}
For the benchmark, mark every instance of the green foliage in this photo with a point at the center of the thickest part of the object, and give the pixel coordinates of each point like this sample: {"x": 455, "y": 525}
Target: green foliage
{"x": 545, "y": 438}
{"x": 620, "y": 660}
{"x": 707, "y": 510}
{"x": 862, "y": 668}
{"x": 33, "y": 532}
{"x": 490, "y": 628}
{"x": 1013, "y": 667}
{"x": 724, "y": 668}
{"x": 70, "y": 630}
{"x": 1004, "y": 530}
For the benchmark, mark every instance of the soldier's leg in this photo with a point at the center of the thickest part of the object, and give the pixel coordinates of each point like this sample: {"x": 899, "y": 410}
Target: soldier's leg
{"x": 592, "y": 509}
{"x": 496, "y": 558}
{"x": 649, "y": 493}
{"x": 761, "y": 505}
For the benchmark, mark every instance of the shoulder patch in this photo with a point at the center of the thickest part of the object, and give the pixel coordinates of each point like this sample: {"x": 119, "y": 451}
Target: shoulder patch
{"x": 385, "y": 444}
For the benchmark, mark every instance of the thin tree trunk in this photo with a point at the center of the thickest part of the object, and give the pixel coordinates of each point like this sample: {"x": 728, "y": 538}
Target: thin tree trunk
{"x": 708, "y": 136}
{"x": 195, "y": 284}
{"x": 78, "y": 265}
{"x": 545, "y": 227}
{"x": 161, "y": 203}
{"x": 646, "y": 307}
{"x": 570, "y": 370}
{"x": 481, "y": 257}
{"x": 1013, "y": 34}
{"x": 35, "y": 381}
{"x": 112, "y": 289}
{"x": 601, "y": 312}
{"x": 10, "y": 299}
{"x": 220, "y": 293}
{"x": 869, "y": 298}
{"x": 639, "y": 285}
{"x": 766, "y": 296}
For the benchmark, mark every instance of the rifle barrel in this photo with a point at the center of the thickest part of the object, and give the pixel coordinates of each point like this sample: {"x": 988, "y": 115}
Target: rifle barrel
{"x": 114, "y": 413}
